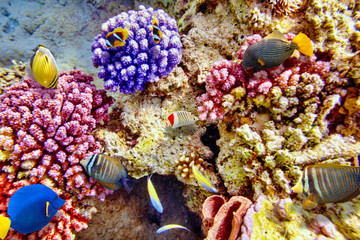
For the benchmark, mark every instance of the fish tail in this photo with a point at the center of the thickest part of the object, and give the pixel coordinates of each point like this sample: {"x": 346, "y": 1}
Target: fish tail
{"x": 303, "y": 44}
{"x": 128, "y": 184}
{"x": 4, "y": 226}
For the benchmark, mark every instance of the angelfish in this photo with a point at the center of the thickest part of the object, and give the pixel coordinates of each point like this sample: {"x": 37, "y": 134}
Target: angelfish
{"x": 116, "y": 38}
{"x": 108, "y": 171}
{"x": 30, "y": 209}
{"x": 43, "y": 67}
{"x": 328, "y": 183}
{"x": 157, "y": 34}
{"x": 181, "y": 118}
{"x": 274, "y": 50}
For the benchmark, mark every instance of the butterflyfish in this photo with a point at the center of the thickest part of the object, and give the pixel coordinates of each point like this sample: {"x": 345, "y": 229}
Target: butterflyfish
{"x": 170, "y": 226}
{"x": 274, "y": 50}
{"x": 108, "y": 171}
{"x": 202, "y": 180}
{"x": 116, "y": 38}
{"x": 43, "y": 67}
{"x": 155, "y": 201}
{"x": 328, "y": 183}
{"x": 30, "y": 209}
{"x": 181, "y": 118}
{"x": 157, "y": 34}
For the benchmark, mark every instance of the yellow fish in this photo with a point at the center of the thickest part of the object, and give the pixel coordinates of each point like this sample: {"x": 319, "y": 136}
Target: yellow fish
{"x": 170, "y": 226}
{"x": 116, "y": 38}
{"x": 274, "y": 50}
{"x": 44, "y": 68}
{"x": 328, "y": 183}
{"x": 157, "y": 34}
{"x": 155, "y": 201}
{"x": 202, "y": 180}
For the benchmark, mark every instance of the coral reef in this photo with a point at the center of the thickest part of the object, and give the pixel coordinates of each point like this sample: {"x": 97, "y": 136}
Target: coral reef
{"x": 49, "y": 131}
{"x": 141, "y": 60}
{"x": 10, "y": 76}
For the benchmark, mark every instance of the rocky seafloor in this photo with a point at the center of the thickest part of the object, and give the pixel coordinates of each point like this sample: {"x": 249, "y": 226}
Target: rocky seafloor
{"x": 256, "y": 134}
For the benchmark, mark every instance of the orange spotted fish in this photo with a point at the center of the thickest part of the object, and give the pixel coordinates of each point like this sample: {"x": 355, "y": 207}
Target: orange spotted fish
{"x": 116, "y": 38}
{"x": 157, "y": 34}
{"x": 182, "y": 118}
{"x": 274, "y": 50}
{"x": 328, "y": 183}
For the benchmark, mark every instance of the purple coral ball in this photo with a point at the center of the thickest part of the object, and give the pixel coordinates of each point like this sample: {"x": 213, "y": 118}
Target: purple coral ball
{"x": 140, "y": 60}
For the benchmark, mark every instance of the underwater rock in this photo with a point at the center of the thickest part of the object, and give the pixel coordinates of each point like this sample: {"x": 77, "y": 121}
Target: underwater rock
{"x": 10, "y": 76}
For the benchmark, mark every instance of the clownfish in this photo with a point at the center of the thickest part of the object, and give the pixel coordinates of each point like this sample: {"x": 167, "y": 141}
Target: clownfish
{"x": 202, "y": 180}
{"x": 43, "y": 67}
{"x": 274, "y": 50}
{"x": 116, "y": 38}
{"x": 157, "y": 34}
{"x": 170, "y": 226}
{"x": 155, "y": 201}
{"x": 328, "y": 183}
{"x": 30, "y": 209}
{"x": 108, "y": 171}
{"x": 181, "y": 118}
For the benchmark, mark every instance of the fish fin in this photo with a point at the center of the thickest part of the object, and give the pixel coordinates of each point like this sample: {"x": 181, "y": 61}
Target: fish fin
{"x": 4, "y": 226}
{"x": 278, "y": 35}
{"x": 261, "y": 62}
{"x": 296, "y": 54}
{"x": 111, "y": 186}
{"x": 309, "y": 202}
{"x": 128, "y": 184}
{"x": 298, "y": 188}
{"x": 118, "y": 43}
{"x": 304, "y": 44}
{"x": 47, "y": 208}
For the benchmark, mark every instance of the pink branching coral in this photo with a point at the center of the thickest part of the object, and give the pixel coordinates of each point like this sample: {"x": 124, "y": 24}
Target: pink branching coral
{"x": 226, "y": 217}
{"x": 66, "y": 220}
{"x": 226, "y": 77}
{"x": 51, "y": 131}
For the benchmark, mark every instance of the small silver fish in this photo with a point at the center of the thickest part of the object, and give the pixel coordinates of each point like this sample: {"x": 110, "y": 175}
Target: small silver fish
{"x": 328, "y": 183}
{"x": 108, "y": 171}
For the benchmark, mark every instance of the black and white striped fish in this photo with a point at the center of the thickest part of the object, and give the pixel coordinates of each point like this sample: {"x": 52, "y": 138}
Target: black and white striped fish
{"x": 182, "y": 118}
{"x": 108, "y": 171}
{"x": 328, "y": 183}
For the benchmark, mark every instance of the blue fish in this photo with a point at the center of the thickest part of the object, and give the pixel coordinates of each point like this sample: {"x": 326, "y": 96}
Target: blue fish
{"x": 30, "y": 209}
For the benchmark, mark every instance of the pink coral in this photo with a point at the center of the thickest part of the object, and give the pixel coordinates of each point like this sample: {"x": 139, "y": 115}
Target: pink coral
{"x": 227, "y": 217}
{"x": 53, "y": 130}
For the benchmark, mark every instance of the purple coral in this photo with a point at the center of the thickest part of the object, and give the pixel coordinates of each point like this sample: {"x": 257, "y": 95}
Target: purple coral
{"x": 141, "y": 60}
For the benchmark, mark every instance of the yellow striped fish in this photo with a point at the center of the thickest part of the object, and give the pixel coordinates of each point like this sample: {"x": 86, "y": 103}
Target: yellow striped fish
{"x": 44, "y": 68}
{"x": 273, "y": 50}
{"x": 328, "y": 183}
{"x": 170, "y": 226}
{"x": 155, "y": 201}
{"x": 157, "y": 34}
{"x": 116, "y": 38}
{"x": 202, "y": 180}
{"x": 108, "y": 171}
{"x": 182, "y": 118}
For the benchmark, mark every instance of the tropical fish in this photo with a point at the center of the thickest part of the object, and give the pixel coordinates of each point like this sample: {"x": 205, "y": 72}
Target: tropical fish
{"x": 157, "y": 34}
{"x": 30, "y": 209}
{"x": 274, "y": 50}
{"x": 328, "y": 183}
{"x": 170, "y": 226}
{"x": 116, "y": 38}
{"x": 181, "y": 118}
{"x": 43, "y": 67}
{"x": 155, "y": 201}
{"x": 108, "y": 171}
{"x": 202, "y": 180}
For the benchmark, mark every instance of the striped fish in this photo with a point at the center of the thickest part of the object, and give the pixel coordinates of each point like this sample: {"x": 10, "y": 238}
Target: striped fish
{"x": 182, "y": 118}
{"x": 108, "y": 171}
{"x": 328, "y": 183}
{"x": 116, "y": 38}
{"x": 274, "y": 50}
{"x": 43, "y": 67}
{"x": 157, "y": 34}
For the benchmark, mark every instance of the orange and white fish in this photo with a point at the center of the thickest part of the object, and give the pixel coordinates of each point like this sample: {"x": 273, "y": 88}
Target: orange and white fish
{"x": 157, "y": 34}
{"x": 181, "y": 118}
{"x": 116, "y": 38}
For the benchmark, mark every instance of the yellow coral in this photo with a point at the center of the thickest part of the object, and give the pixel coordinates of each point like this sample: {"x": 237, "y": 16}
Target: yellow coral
{"x": 183, "y": 168}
